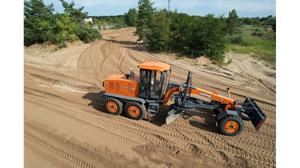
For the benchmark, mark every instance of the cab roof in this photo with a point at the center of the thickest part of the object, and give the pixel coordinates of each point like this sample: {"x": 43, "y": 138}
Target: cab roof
{"x": 157, "y": 66}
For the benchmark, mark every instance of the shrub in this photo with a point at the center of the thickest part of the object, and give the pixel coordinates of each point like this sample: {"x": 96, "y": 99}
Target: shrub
{"x": 88, "y": 35}
{"x": 62, "y": 45}
{"x": 245, "y": 35}
{"x": 229, "y": 61}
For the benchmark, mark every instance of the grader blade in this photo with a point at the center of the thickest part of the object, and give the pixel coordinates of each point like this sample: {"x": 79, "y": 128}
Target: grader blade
{"x": 254, "y": 113}
{"x": 173, "y": 114}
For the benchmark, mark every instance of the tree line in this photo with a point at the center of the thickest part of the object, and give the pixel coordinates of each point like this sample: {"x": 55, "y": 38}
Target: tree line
{"x": 128, "y": 19}
{"x": 269, "y": 20}
{"x": 41, "y": 25}
{"x": 162, "y": 30}
{"x": 192, "y": 35}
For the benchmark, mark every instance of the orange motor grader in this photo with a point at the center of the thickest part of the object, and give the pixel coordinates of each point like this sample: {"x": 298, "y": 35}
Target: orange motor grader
{"x": 141, "y": 95}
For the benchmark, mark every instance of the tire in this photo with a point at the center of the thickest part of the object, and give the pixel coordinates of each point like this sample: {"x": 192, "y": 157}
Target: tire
{"x": 231, "y": 125}
{"x": 113, "y": 106}
{"x": 135, "y": 110}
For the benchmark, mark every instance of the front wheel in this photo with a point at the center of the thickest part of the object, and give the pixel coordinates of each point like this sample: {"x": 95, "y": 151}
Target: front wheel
{"x": 231, "y": 125}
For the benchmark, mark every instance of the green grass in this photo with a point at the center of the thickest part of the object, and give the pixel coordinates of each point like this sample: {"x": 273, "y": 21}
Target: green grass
{"x": 262, "y": 48}
{"x": 248, "y": 41}
{"x": 229, "y": 61}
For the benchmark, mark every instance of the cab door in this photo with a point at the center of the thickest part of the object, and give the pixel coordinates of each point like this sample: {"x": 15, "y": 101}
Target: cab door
{"x": 144, "y": 89}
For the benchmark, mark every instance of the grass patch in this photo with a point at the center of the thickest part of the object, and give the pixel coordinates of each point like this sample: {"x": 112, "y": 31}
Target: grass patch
{"x": 212, "y": 68}
{"x": 229, "y": 61}
{"x": 265, "y": 50}
{"x": 263, "y": 46}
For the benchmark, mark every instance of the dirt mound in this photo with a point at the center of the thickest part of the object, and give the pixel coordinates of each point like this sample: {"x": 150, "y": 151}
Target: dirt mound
{"x": 65, "y": 123}
{"x": 202, "y": 60}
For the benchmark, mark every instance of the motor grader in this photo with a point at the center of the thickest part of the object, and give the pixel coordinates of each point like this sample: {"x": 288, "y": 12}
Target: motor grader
{"x": 141, "y": 95}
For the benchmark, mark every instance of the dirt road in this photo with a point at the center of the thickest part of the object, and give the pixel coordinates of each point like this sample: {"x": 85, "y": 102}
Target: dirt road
{"x": 65, "y": 124}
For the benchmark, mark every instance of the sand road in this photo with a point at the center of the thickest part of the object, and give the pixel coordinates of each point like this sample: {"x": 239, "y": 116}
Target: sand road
{"x": 65, "y": 124}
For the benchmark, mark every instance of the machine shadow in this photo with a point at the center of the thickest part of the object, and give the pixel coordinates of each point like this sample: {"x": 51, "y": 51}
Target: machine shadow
{"x": 159, "y": 119}
{"x": 132, "y": 45}
{"x": 209, "y": 117}
{"x": 97, "y": 102}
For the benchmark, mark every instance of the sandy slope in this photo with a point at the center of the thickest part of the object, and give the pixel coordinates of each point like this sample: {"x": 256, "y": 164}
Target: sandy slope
{"x": 65, "y": 124}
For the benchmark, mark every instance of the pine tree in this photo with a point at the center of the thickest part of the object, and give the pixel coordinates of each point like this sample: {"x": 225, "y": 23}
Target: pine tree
{"x": 132, "y": 17}
{"x": 75, "y": 14}
{"x": 145, "y": 20}
{"x": 274, "y": 26}
{"x": 67, "y": 29}
{"x": 46, "y": 27}
{"x": 85, "y": 34}
{"x": 35, "y": 11}
{"x": 160, "y": 35}
{"x": 232, "y": 22}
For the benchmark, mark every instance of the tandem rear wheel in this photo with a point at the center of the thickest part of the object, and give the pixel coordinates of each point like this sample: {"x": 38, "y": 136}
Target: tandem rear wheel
{"x": 135, "y": 110}
{"x": 113, "y": 106}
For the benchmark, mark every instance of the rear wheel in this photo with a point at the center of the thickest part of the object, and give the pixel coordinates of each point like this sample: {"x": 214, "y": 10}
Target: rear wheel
{"x": 231, "y": 125}
{"x": 113, "y": 106}
{"x": 135, "y": 110}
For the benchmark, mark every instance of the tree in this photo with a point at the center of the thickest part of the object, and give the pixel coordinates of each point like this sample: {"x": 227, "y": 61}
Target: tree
{"x": 256, "y": 22}
{"x": 274, "y": 25}
{"x": 37, "y": 8}
{"x": 35, "y": 12}
{"x": 104, "y": 24}
{"x": 145, "y": 21}
{"x": 160, "y": 34}
{"x": 85, "y": 34}
{"x": 67, "y": 29}
{"x": 42, "y": 26}
{"x": 76, "y": 15}
{"x": 132, "y": 17}
{"x": 205, "y": 36}
{"x": 232, "y": 22}
{"x": 46, "y": 27}
{"x": 248, "y": 21}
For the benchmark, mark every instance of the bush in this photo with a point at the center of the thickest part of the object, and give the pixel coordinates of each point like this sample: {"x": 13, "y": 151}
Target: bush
{"x": 245, "y": 35}
{"x": 235, "y": 39}
{"x": 88, "y": 35}
{"x": 62, "y": 45}
{"x": 258, "y": 29}
{"x": 229, "y": 61}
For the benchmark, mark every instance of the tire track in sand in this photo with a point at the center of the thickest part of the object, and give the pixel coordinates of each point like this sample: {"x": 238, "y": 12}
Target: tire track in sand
{"x": 56, "y": 151}
{"x": 181, "y": 142}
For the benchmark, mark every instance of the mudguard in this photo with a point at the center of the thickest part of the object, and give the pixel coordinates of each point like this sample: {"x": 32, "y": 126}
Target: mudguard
{"x": 226, "y": 113}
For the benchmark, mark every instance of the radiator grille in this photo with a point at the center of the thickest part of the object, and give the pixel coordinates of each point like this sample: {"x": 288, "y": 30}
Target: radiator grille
{"x": 111, "y": 85}
{"x": 117, "y": 86}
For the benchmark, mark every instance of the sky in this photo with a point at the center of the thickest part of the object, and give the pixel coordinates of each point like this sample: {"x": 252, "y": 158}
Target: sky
{"x": 244, "y": 8}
